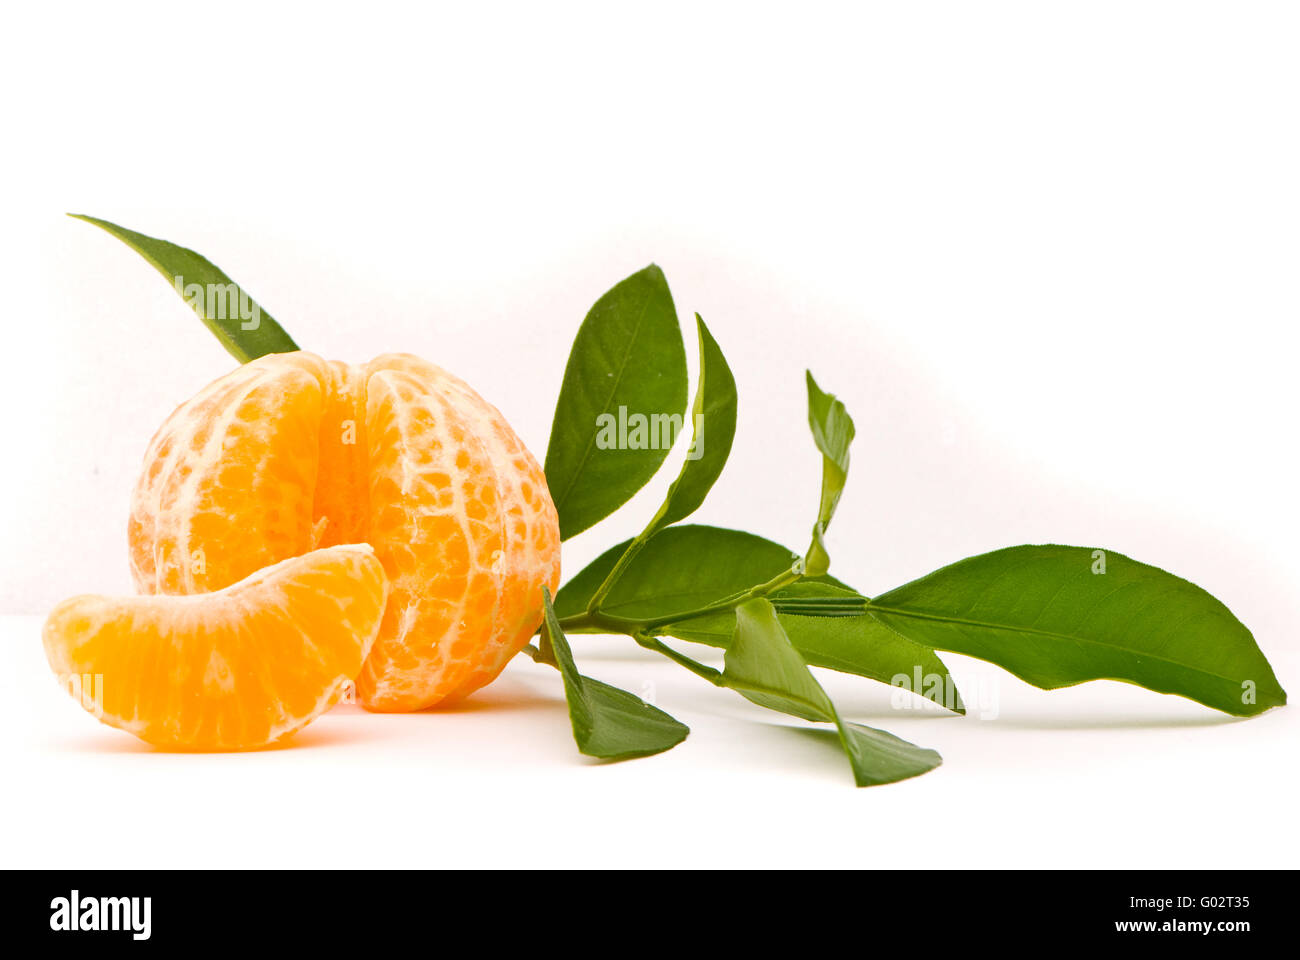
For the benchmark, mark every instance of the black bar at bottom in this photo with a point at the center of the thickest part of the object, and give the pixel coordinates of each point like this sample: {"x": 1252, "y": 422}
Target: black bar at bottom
{"x": 666, "y": 911}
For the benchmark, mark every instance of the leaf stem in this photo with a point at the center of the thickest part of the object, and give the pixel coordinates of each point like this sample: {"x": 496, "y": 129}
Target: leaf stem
{"x": 597, "y": 622}
{"x": 594, "y": 619}
{"x": 783, "y": 579}
{"x": 694, "y": 666}
{"x": 633, "y": 548}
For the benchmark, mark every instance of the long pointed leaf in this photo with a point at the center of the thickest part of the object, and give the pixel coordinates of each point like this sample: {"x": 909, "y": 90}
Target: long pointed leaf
{"x": 713, "y": 419}
{"x": 239, "y": 324}
{"x": 832, "y": 430}
{"x": 1057, "y": 615}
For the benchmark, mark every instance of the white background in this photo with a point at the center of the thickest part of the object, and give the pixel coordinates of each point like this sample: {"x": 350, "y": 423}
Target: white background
{"x": 1046, "y": 253}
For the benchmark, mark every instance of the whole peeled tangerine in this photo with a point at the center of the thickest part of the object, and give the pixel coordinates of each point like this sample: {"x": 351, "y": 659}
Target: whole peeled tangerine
{"x": 290, "y": 453}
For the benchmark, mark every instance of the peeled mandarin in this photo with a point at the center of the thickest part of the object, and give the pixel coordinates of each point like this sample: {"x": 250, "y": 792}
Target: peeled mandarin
{"x": 290, "y": 452}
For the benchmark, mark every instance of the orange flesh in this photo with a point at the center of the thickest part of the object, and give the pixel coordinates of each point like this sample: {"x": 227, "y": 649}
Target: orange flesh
{"x": 290, "y": 452}
{"x": 232, "y": 670}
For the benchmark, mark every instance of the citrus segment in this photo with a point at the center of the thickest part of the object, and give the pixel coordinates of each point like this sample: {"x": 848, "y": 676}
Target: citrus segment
{"x": 231, "y": 670}
{"x": 252, "y": 435}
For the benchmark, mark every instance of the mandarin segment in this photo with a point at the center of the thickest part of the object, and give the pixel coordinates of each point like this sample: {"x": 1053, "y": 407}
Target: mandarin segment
{"x": 290, "y": 452}
{"x": 236, "y": 669}
{"x": 342, "y": 496}
{"x": 249, "y": 438}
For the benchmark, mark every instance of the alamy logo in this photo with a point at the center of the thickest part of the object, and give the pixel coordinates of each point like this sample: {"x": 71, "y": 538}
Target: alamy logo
{"x": 86, "y": 687}
{"x": 636, "y": 431}
{"x": 75, "y": 913}
{"x": 220, "y": 301}
{"x": 941, "y": 690}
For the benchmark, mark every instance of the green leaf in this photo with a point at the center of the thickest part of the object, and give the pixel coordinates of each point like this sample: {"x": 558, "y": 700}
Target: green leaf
{"x": 832, "y": 430}
{"x": 680, "y": 568}
{"x": 713, "y": 418}
{"x": 878, "y": 757}
{"x": 1056, "y": 616}
{"x": 608, "y": 723}
{"x": 624, "y": 392}
{"x": 854, "y": 645}
{"x": 763, "y": 666}
{"x": 242, "y": 327}
{"x": 684, "y": 568}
